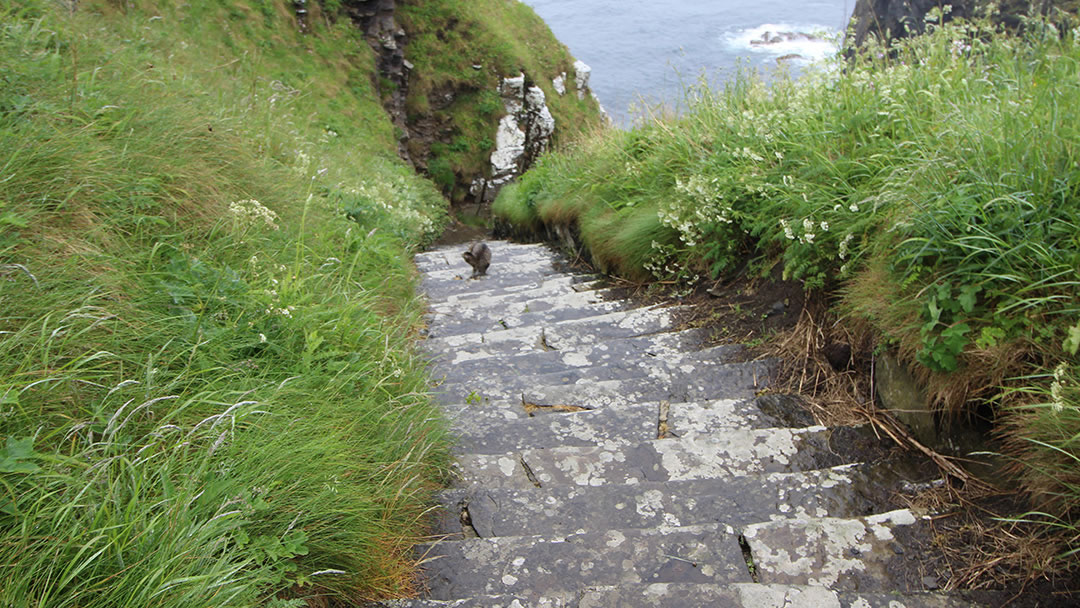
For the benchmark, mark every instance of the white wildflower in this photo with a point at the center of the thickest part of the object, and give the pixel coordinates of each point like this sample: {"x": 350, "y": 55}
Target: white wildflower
{"x": 262, "y": 338}
{"x": 1057, "y": 389}
{"x": 250, "y": 211}
{"x": 787, "y": 230}
{"x": 824, "y": 226}
{"x": 844, "y": 245}
{"x": 853, "y": 207}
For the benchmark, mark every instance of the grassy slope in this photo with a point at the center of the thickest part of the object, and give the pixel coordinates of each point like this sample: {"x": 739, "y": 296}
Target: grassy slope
{"x": 938, "y": 192}
{"x": 447, "y": 38}
{"x": 202, "y": 403}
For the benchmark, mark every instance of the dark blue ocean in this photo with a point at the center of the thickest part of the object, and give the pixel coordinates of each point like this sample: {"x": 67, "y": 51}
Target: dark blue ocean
{"x": 643, "y": 53}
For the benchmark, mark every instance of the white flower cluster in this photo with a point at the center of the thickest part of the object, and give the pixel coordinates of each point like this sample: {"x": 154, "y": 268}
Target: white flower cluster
{"x": 303, "y": 162}
{"x": 250, "y": 211}
{"x": 1057, "y": 389}
{"x": 845, "y": 244}
{"x": 701, "y": 203}
{"x": 808, "y": 230}
{"x": 959, "y": 47}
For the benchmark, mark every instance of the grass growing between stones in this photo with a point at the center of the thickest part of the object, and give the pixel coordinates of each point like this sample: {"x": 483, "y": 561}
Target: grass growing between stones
{"x": 208, "y": 391}
{"x": 933, "y": 189}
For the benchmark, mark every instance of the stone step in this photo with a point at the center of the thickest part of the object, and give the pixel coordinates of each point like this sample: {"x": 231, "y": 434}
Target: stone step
{"x": 439, "y": 259}
{"x": 601, "y": 361}
{"x": 540, "y": 312}
{"x": 664, "y": 344}
{"x": 721, "y": 455}
{"x": 553, "y": 295}
{"x": 558, "y": 566}
{"x": 481, "y": 430}
{"x": 687, "y": 378}
{"x": 559, "y": 336}
{"x": 749, "y": 595}
{"x": 438, "y": 285}
{"x": 872, "y": 553}
{"x": 487, "y": 297}
{"x": 843, "y": 491}
{"x": 697, "y": 595}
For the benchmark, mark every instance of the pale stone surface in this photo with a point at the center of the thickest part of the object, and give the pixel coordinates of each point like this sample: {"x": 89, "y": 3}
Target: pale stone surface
{"x": 836, "y": 553}
{"x": 582, "y": 73}
{"x": 522, "y": 136}
{"x": 608, "y": 461}
{"x": 559, "y": 83}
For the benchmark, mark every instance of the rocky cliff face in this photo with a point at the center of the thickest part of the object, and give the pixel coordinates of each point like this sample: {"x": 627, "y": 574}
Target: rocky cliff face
{"x": 464, "y": 118}
{"x": 376, "y": 19}
{"x": 893, "y": 19}
{"x": 524, "y": 133}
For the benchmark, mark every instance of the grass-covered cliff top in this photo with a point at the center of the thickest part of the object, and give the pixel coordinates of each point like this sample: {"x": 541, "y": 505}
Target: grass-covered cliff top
{"x": 208, "y": 389}
{"x": 933, "y": 190}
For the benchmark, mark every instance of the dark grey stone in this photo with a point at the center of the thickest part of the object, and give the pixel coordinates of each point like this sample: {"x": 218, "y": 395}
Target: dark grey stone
{"x": 538, "y": 566}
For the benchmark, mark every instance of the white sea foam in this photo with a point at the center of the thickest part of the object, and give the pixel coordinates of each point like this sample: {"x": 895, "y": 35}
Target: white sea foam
{"x": 805, "y": 42}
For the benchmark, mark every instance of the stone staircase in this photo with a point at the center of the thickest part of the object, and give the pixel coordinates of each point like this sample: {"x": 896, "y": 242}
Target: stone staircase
{"x": 607, "y": 460}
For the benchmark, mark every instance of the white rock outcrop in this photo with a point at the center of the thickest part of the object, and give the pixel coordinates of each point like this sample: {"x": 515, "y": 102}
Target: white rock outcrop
{"x": 559, "y": 82}
{"x": 582, "y": 72}
{"x": 522, "y": 136}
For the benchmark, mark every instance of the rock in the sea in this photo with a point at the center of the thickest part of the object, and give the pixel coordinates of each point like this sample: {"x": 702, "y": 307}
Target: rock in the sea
{"x": 770, "y": 38}
{"x": 582, "y": 72}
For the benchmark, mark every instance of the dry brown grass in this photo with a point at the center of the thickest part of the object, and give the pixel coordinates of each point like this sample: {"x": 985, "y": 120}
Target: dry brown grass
{"x": 983, "y": 548}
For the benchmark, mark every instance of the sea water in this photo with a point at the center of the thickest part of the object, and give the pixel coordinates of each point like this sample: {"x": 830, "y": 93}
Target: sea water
{"x": 644, "y": 54}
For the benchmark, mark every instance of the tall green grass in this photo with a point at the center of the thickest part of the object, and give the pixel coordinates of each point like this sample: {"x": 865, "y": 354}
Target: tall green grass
{"x": 208, "y": 388}
{"x": 936, "y": 187}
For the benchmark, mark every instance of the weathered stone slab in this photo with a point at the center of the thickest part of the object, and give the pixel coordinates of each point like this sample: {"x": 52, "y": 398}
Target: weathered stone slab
{"x": 491, "y": 471}
{"x": 722, "y": 455}
{"x": 539, "y": 566}
{"x": 863, "y": 554}
{"x": 575, "y": 305}
{"x": 705, "y": 417}
{"x": 835, "y": 492}
{"x": 540, "y": 279}
{"x": 487, "y": 297}
{"x": 438, "y": 285}
{"x": 689, "y": 595}
{"x": 439, "y": 259}
{"x": 487, "y": 601}
{"x": 631, "y": 424}
{"x": 716, "y": 456}
{"x": 549, "y": 296}
{"x": 456, "y": 364}
{"x": 561, "y": 336}
{"x": 601, "y": 362}
{"x": 752, "y": 595}
{"x": 607, "y": 386}
{"x": 500, "y": 427}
